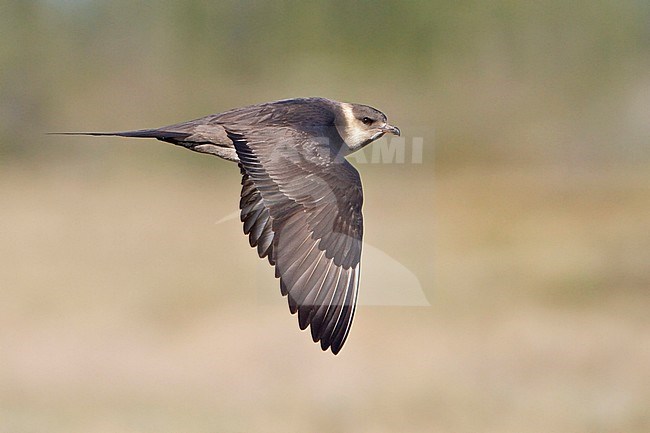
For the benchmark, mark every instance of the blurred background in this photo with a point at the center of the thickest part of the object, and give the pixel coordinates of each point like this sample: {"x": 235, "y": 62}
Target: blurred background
{"x": 130, "y": 302}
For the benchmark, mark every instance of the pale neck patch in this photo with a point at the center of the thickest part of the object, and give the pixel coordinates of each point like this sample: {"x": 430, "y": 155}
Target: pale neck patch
{"x": 351, "y": 132}
{"x": 347, "y": 113}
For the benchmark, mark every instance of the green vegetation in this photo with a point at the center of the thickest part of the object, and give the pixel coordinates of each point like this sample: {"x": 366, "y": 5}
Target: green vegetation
{"x": 496, "y": 80}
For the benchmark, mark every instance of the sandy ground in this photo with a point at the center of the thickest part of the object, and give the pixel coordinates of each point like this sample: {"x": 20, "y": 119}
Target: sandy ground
{"x": 126, "y": 306}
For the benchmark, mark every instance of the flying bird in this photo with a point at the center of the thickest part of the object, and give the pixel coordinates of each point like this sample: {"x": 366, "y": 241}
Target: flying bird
{"x": 300, "y": 199}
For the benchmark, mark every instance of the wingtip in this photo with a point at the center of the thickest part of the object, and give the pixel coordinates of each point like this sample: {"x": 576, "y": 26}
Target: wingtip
{"x": 335, "y": 350}
{"x": 333, "y": 347}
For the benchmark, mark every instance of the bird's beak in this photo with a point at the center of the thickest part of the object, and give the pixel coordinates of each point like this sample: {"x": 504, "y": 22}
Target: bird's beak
{"x": 390, "y": 129}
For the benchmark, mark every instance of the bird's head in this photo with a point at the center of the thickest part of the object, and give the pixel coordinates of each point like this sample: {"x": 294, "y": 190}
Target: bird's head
{"x": 360, "y": 125}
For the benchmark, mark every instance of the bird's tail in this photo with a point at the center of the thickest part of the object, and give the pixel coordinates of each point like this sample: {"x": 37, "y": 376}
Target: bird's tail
{"x": 179, "y": 137}
{"x": 159, "y": 134}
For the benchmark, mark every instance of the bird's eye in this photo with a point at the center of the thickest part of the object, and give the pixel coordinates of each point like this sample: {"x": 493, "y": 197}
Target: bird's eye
{"x": 367, "y": 120}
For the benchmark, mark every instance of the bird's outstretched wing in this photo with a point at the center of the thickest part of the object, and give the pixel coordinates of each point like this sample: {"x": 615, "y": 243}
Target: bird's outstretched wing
{"x": 258, "y": 224}
{"x": 301, "y": 207}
